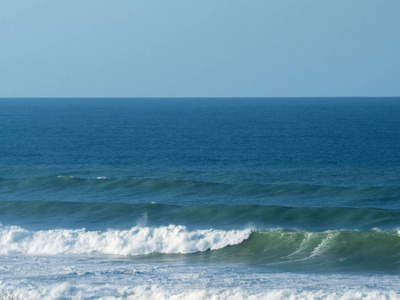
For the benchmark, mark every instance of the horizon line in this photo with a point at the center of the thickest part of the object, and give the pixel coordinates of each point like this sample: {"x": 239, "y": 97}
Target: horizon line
{"x": 209, "y": 97}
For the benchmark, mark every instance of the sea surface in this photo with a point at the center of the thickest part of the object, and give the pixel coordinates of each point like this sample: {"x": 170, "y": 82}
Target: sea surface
{"x": 200, "y": 198}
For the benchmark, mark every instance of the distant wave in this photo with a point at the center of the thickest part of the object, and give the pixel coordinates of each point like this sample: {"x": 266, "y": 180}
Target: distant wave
{"x": 178, "y": 187}
{"x": 124, "y": 215}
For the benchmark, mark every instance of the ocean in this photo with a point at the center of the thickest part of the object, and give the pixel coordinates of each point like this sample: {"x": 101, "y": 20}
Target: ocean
{"x": 243, "y": 198}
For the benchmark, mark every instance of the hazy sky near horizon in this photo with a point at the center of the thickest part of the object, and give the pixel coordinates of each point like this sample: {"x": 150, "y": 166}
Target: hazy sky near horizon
{"x": 199, "y": 48}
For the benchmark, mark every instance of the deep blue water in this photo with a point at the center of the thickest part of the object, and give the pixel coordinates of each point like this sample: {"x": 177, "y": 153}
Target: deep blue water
{"x": 208, "y": 189}
{"x": 205, "y": 134}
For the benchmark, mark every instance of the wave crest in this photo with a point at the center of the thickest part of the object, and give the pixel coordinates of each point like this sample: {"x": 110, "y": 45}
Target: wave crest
{"x": 135, "y": 241}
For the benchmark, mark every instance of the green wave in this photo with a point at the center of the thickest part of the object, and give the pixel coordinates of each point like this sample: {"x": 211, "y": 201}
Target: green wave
{"x": 347, "y": 250}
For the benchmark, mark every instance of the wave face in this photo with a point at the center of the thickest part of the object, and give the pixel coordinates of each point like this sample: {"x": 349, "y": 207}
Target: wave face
{"x": 335, "y": 249}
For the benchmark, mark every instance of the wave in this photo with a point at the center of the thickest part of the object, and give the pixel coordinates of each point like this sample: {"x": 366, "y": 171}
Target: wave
{"x": 344, "y": 249}
{"x": 358, "y": 250}
{"x": 136, "y": 186}
{"x": 123, "y": 215}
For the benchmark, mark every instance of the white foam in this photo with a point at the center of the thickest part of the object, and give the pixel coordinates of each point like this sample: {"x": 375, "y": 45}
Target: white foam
{"x": 135, "y": 241}
{"x": 68, "y": 291}
{"x": 154, "y": 292}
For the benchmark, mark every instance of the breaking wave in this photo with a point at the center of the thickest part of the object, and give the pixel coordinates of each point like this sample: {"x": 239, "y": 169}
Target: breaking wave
{"x": 136, "y": 241}
{"x": 358, "y": 250}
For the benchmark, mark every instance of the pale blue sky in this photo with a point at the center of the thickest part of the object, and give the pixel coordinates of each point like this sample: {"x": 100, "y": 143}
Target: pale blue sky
{"x": 199, "y": 48}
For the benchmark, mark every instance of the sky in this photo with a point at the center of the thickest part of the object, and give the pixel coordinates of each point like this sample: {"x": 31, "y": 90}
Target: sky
{"x": 199, "y": 48}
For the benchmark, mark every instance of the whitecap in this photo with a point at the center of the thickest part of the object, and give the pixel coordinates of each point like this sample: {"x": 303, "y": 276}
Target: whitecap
{"x": 138, "y": 240}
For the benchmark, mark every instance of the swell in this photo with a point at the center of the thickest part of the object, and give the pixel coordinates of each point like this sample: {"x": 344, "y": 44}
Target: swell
{"x": 45, "y": 215}
{"x": 128, "y": 187}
